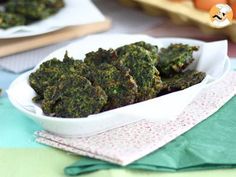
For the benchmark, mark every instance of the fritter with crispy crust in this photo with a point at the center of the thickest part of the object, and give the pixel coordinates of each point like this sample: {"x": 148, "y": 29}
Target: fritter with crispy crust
{"x": 175, "y": 58}
{"x": 145, "y": 74}
{"x": 182, "y": 81}
{"x": 73, "y": 96}
{"x": 50, "y": 72}
{"x": 119, "y": 86}
{"x": 149, "y": 47}
{"x": 100, "y": 56}
{"x": 8, "y": 20}
{"x": 153, "y": 49}
{"x": 136, "y": 59}
{"x": 72, "y": 66}
{"x": 46, "y": 75}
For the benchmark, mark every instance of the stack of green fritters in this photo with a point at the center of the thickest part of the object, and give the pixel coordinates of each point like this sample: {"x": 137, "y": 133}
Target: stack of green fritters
{"x": 109, "y": 79}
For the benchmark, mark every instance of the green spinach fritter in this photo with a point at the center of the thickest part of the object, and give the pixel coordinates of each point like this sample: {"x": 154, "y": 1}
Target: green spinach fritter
{"x": 153, "y": 49}
{"x": 8, "y": 20}
{"x": 138, "y": 61}
{"x": 101, "y": 56}
{"x": 141, "y": 66}
{"x": 46, "y": 75}
{"x": 72, "y": 66}
{"x": 182, "y": 81}
{"x": 119, "y": 86}
{"x": 50, "y": 72}
{"x": 74, "y": 96}
{"x": 175, "y": 58}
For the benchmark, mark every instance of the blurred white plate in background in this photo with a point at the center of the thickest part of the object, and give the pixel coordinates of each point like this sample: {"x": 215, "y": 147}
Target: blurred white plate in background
{"x": 75, "y": 12}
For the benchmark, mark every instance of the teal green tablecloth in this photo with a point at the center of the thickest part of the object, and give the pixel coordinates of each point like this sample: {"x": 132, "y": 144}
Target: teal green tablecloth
{"x": 209, "y": 145}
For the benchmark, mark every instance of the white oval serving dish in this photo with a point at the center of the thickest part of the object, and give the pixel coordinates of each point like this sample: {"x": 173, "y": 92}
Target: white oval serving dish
{"x": 211, "y": 58}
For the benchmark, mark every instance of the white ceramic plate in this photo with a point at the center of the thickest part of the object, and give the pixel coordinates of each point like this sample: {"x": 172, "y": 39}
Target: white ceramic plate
{"x": 211, "y": 58}
{"x": 75, "y": 12}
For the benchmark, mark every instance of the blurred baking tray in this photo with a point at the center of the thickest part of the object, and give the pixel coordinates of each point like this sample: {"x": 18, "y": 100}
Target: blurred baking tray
{"x": 183, "y": 13}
